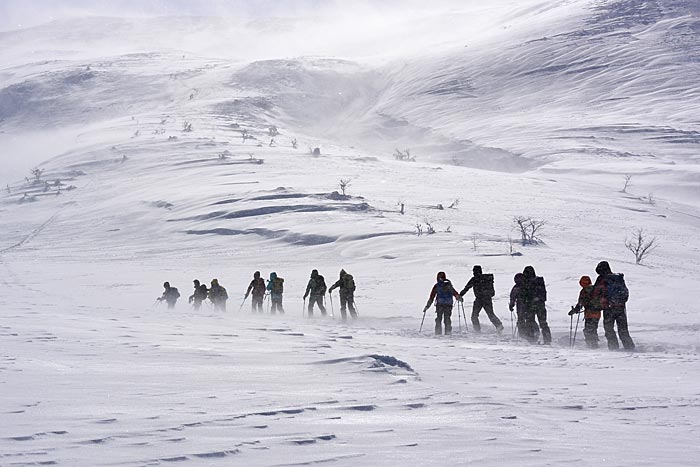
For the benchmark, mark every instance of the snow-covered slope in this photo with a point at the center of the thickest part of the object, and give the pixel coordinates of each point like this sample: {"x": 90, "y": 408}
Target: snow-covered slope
{"x": 541, "y": 114}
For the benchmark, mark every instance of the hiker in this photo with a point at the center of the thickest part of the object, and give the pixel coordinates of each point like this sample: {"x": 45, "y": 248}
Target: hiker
{"x": 591, "y": 312}
{"x": 276, "y": 288}
{"x": 483, "y": 298}
{"x": 316, "y": 290}
{"x": 217, "y": 295}
{"x": 611, "y": 293}
{"x": 534, "y": 296}
{"x": 516, "y": 303}
{"x": 199, "y": 295}
{"x": 443, "y": 294}
{"x": 257, "y": 287}
{"x": 170, "y": 295}
{"x": 346, "y": 284}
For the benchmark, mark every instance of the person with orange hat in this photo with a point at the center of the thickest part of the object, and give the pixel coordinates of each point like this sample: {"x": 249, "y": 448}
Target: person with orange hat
{"x": 591, "y": 312}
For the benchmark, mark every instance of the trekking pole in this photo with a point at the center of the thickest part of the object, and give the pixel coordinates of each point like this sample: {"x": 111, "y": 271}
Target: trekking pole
{"x": 571, "y": 331}
{"x": 578, "y": 318}
{"x": 324, "y": 306}
{"x": 332, "y": 312}
{"x": 303, "y": 310}
{"x": 466, "y": 326}
{"x": 242, "y": 303}
{"x": 512, "y": 325}
{"x": 354, "y": 303}
{"x": 423, "y": 320}
{"x": 459, "y": 318}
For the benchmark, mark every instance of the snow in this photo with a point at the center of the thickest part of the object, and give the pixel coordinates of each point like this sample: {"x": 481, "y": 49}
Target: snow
{"x": 541, "y": 114}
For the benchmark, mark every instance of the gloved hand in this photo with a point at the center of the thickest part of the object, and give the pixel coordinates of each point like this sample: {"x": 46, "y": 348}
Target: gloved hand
{"x": 510, "y": 307}
{"x": 426, "y": 308}
{"x": 160, "y": 299}
{"x": 573, "y": 311}
{"x": 460, "y": 299}
{"x": 304, "y": 297}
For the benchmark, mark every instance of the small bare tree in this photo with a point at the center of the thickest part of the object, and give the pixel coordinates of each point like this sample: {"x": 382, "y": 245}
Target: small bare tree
{"x": 294, "y": 143}
{"x": 529, "y": 228}
{"x": 187, "y": 126}
{"x": 454, "y": 204}
{"x": 651, "y": 199}
{"x": 641, "y": 245}
{"x": 429, "y": 227}
{"x": 37, "y": 173}
{"x": 419, "y": 229}
{"x": 628, "y": 180}
{"x": 402, "y": 206}
{"x": 272, "y": 131}
{"x": 245, "y": 135}
{"x": 344, "y": 183}
{"x": 475, "y": 242}
{"x": 272, "y": 142}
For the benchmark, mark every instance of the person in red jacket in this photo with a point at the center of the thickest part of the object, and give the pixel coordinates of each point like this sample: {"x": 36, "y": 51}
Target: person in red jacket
{"x": 443, "y": 294}
{"x": 591, "y": 312}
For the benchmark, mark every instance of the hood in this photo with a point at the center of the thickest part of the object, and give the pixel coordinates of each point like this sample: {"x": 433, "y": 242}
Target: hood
{"x": 166, "y": 285}
{"x": 314, "y": 273}
{"x": 215, "y": 282}
{"x": 529, "y": 272}
{"x": 603, "y": 268}
{"x": 477, "y": 270}
{"x": 273, "y": 276}
{"x": 342, "y": 273}
{"x": 196, "y": 283}
{"x": 441, "y": 277}
{"x": 519, "y": 278}
{"x": 256, "y": 275}
{"x": 585, "y": 281}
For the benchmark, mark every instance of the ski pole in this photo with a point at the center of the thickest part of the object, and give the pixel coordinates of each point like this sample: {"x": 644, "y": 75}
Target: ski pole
{"x": 578, "y": 318}
{"x": 423, "y": 320}
{"x": 571, "y": 331}
{"x": 354, "y": 304}
{"x": 303, "y": 310}
{"x": 242, "y": 303}
{"x": 332, "y": 312}
{"x": 512, "y": 325}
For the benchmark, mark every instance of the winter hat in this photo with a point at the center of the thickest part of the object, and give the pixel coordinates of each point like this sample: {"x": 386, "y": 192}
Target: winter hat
{"x": 603, "y": 268}
{"x": 314, "y": 273}
{"x": 585, "y": 281}
{"x": 256, "y": 275}
{"x": 477, "y": 270}
{"x": 441, "y": 276}
{"x": 196, "y": 283}
{"x": 166, "y": 285}
{"x": 342, "y": 272}
{"x": 215, "y": 282}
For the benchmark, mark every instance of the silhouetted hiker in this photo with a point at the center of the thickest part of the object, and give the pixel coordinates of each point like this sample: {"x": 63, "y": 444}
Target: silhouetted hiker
{"x": 591, "y": 311}
{"x": 170, "y": 295}
{"x": 199, "y": 295}
{"x": 346, "y": 284}
{"x": 611, "y": 292}
{"x": 483, "y": 298}
{"x": 443, "y": 294}
{"x": 257, "y": 287}
{"x": 276, "y": 288}
{"x": 516, "y": 303}
{"x": 316, "y": 290}
{"x": 218, "y": 295}
{"x": 534, "y": 296}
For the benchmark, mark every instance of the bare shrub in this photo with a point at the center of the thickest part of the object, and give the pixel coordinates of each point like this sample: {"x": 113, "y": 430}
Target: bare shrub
{"x": 529, "y": 228}
{"x": 641, "y": 245}
{"x": 272, "y": 131}
{"x": 344, "y": 183}
{"x": 454, "y": 204}
{"x": 404, "y": 155}
{"x": 37, "y": 173}
{"x": 294, "y": 143}
{"x": 628, "y": 180}
{"x": 475, "y": 242}
{"x": 187, "y": 126}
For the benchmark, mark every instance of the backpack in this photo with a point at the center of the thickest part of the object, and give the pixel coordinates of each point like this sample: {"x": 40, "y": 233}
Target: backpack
{"x": 277, "y": 286}
{"x": 540, "y": 290}
{"x": 488, "y": 288}
{"x": 348, "y": 282}
{"x": 616, "y": 290}
{"x": 444, "y": 293}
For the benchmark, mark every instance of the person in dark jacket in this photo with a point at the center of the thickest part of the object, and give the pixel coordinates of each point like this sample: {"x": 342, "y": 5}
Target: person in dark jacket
{"x": 257, "y": 288}
{"x": 591, "y": 312}
{"x": 316, "y": 291}
{"x": 170, "y": 295}
{"x": 346, "y": 284}
{"x": 610, "y": 291}
{"x": 516, "y": 303}
{"x": 276, "y": 288}
{"x": 218, "y": 295}
{"x": 199, "y": 295}
{"x": 534, "y": 296}
{"x": 483, "y": 298}
{"x": 443, "y": 294}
